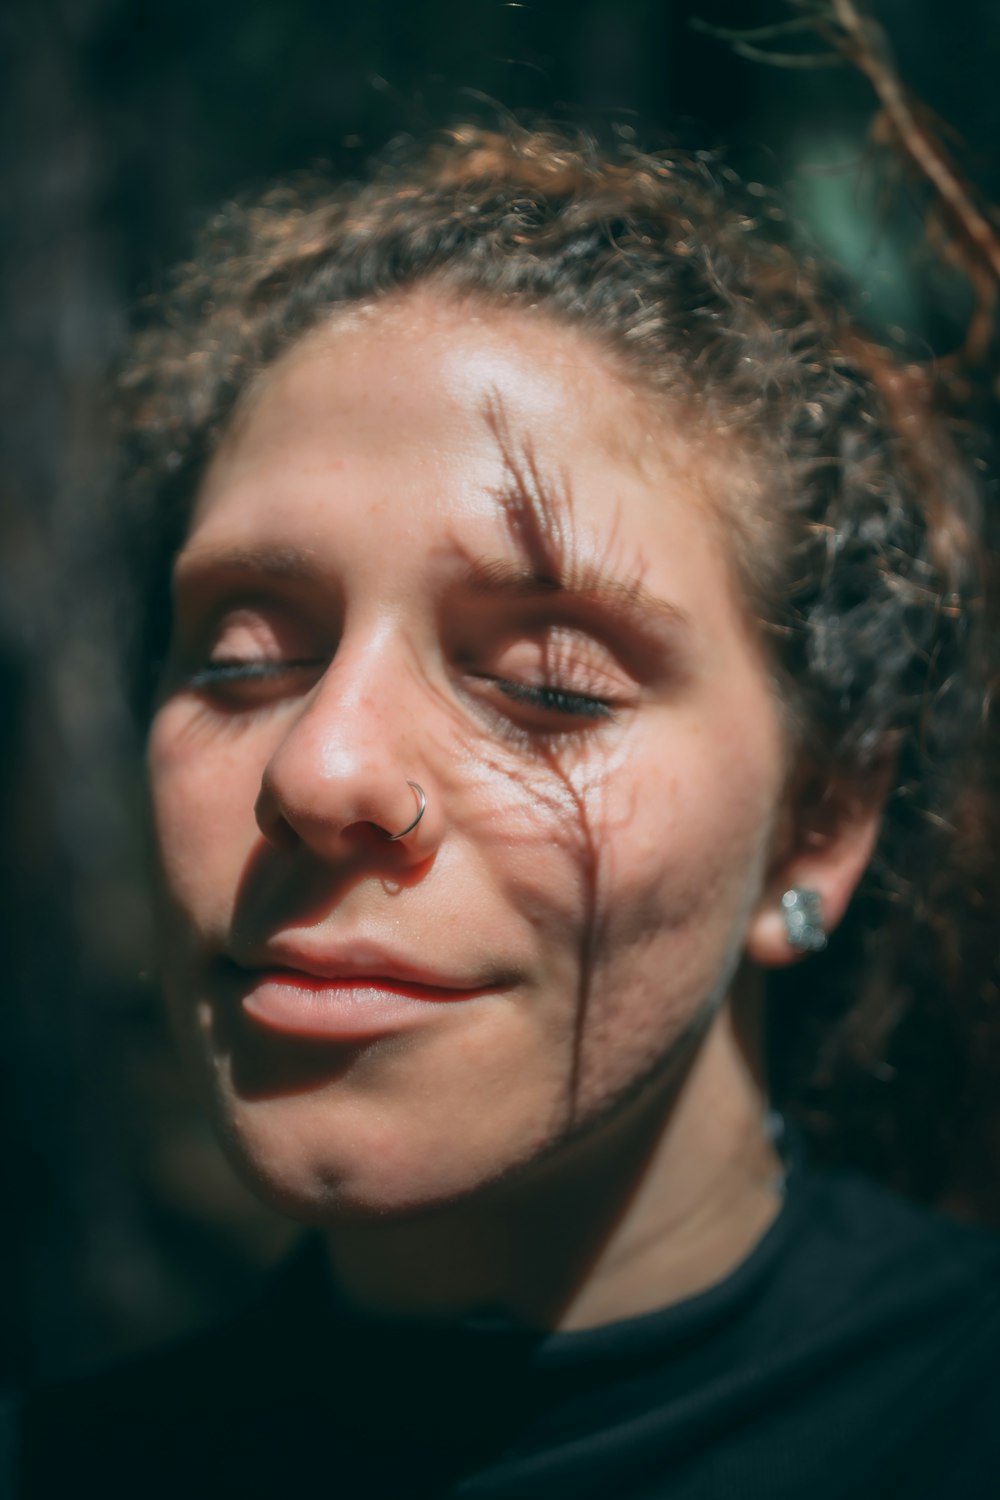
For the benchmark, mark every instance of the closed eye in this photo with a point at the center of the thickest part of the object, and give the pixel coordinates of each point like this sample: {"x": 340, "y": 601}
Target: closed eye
{"x": 556, "y": 700}
{"x": 216, "y": 673}
{"x": 234, "y": 686}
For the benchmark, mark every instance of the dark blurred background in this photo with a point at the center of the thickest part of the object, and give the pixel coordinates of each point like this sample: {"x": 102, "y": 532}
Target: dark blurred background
{"x": 121, "y": 126}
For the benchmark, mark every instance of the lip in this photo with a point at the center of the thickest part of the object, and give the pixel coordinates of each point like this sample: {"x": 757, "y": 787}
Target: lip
{"x": 355, "y": 995}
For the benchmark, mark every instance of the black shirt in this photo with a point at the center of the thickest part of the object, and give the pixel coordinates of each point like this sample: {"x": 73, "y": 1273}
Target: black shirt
{"x": 855, "y": 1352}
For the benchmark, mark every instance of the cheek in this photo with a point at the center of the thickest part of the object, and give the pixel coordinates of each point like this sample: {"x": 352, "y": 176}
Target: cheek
{"x": 679, "y": 872}
{"x": 202, "y": 795}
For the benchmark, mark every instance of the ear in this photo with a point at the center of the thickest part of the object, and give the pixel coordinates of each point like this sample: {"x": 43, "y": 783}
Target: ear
{"x": 823, "y": 842}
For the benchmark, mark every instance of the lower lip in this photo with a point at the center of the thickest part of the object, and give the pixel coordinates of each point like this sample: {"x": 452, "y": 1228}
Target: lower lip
{"x": 345, "y": 1010}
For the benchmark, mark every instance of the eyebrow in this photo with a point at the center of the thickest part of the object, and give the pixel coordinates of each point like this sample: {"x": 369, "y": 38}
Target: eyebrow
{"x": 272, "y": 562}
{"x": 537, "y": 512}
{"x": 626, "y": 600}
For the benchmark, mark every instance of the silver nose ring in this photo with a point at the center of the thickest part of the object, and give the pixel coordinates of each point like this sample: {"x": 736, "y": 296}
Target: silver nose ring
{"x": 421, "y": 809}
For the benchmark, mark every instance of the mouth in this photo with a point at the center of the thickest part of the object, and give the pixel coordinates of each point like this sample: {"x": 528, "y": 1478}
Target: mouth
{"x": 344, "y": 1006}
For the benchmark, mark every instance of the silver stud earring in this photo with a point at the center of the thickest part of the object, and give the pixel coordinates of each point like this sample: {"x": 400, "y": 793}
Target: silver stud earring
{"x": 802, "y": 910}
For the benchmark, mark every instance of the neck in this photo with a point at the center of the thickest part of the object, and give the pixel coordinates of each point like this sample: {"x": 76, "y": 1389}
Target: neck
{"x": 655, "y": 1206}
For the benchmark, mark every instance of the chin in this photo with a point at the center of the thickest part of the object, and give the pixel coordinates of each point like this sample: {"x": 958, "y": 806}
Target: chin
{"x": 319, "y": 1162}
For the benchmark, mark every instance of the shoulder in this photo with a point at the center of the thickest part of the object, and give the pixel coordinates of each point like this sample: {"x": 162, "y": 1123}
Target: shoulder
{"x": 206, "y": 1415}
{"x": 891, "y": 1319}
{"x": 129, "y": 1425}
{"x": 862, "y": 1267}
{"x": 862, "y": 1248}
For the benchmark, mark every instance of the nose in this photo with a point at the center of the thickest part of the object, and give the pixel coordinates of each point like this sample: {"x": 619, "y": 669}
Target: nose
{"x": 346, "y": 777}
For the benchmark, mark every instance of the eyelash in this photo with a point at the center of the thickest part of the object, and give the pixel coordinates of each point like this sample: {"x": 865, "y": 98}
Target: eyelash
{"x": 555, "y": 700}
{"x": 218, "y": 673}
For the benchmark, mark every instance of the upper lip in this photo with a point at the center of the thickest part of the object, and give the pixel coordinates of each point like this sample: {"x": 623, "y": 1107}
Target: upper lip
{"x": 356, "y": 960}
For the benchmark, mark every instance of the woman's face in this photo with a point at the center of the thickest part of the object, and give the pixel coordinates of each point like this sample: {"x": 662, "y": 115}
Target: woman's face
{"x": 451, "y": 546}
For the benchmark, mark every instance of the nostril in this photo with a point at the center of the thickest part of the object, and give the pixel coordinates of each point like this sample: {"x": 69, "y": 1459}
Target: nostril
{"x": 272, "y": 822}
{"x": 331, "y": 796}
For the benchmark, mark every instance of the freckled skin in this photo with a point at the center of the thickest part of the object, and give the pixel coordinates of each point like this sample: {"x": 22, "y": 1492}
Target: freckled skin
{"x": 607, "y": 868}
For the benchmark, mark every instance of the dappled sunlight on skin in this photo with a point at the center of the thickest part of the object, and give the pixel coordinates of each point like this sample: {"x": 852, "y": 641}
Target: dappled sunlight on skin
{"x": 543, "y": 808}
{"x": 540, "y": 514}
{"x": 547, "y": 640}
{"x": 541, "y": 524}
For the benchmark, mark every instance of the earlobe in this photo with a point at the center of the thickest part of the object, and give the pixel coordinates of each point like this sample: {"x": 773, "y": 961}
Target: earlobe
{"x": 768, "y": 943}
{"x": 816, "y": 872}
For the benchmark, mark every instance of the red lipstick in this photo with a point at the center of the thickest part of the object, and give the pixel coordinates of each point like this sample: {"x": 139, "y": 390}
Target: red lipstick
{"x": 338, "y": 1000}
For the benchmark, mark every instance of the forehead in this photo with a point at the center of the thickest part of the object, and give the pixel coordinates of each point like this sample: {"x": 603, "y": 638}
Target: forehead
{"x": 546, "y": 371}
{"x": 421, "y": 388}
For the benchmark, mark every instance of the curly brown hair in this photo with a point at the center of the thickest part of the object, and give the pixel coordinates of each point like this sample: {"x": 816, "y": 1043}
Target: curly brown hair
{"x": 856, "y": 535}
